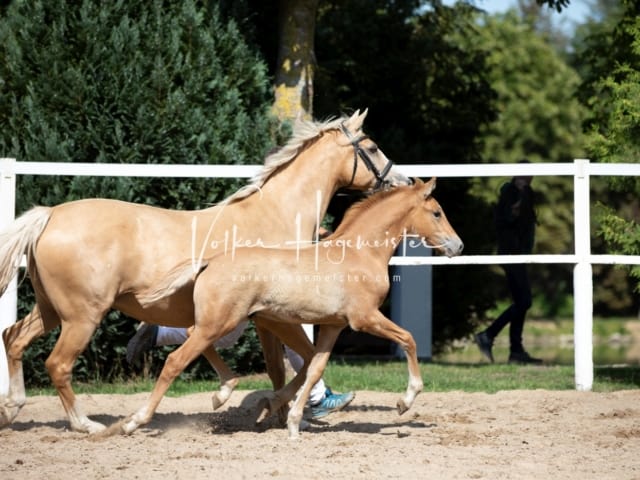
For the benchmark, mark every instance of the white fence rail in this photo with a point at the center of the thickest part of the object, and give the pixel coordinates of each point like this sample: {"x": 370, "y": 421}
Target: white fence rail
{"x": 582, "y": 259}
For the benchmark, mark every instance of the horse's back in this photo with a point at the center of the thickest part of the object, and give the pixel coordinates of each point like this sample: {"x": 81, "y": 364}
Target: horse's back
{"x": 103, "y": 247}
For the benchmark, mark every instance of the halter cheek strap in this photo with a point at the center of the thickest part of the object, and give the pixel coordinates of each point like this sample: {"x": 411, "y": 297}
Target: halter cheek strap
{"x": 358, "y": 151}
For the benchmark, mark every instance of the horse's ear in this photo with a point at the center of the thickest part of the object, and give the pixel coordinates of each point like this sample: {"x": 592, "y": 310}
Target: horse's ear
{"x": 429, "y": 187}
{"x": 356, "y": 120}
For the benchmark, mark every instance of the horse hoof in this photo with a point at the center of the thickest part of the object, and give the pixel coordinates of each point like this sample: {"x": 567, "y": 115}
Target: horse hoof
{"x": 95, "y": 427}
{"x": 264, "y": 410}
{"x": 283, "y": 414}
{"x": 128, "y": 427}
{"x": 402, "y": 407}
{"x": 217, "y": 403}
{"x": 5, "y": 417}
{"x": 88, "y": 426}
{"x": 294, "y": 432}
{"x": 8, "y": 412}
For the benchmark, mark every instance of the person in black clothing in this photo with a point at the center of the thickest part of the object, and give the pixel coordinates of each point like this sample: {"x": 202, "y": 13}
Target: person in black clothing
{"x": 515, "y": 227}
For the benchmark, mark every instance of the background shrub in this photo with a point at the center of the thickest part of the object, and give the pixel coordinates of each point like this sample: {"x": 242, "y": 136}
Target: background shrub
{"x": 127, "y": 82}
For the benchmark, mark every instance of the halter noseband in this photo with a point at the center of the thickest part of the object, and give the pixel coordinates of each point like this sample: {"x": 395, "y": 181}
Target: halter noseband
{"x": 358, "y": 151}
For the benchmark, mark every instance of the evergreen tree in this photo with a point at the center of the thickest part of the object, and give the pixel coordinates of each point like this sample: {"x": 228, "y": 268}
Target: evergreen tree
{"x": 117, "y": 82}
{"x": 126, "y": 82}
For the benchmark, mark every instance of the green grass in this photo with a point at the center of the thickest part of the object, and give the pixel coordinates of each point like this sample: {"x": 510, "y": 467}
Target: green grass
{"x": 462, "y": 369}
{"x": 480, "y": 377}
{"x": 602, "y": 328}
{"x": 392, "y": 376}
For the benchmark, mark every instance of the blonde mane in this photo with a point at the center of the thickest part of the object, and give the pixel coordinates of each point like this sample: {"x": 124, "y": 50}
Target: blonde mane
{"x": 304, "y": 132}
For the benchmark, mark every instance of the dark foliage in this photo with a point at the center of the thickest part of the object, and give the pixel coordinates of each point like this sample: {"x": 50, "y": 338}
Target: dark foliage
{"x": 428, "y": 99}
{"x": 126, "y": 82}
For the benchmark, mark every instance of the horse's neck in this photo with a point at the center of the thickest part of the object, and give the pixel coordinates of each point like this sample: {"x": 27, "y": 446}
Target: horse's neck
{"x": 298, "y": 194}
{"x": 382, "y": 225}
{"x": 288, "y": 208}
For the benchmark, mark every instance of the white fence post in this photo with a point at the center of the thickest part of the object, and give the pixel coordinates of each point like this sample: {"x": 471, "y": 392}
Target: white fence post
{"x": 582, "y": 280}
{"x": 8, "y": 301}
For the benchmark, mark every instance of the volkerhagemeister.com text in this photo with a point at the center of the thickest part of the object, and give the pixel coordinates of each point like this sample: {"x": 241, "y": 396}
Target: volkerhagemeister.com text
{"x": 313, "y": 278}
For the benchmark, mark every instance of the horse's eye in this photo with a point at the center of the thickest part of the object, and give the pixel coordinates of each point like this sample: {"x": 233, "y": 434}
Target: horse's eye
{"x": 437, "y": 214}
{"x": 373, "y": 149}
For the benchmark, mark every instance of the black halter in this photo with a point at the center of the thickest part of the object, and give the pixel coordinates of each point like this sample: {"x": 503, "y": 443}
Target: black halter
{"x": 358, "y": 151}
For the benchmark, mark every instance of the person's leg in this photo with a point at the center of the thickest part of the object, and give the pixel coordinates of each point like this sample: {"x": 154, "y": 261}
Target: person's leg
{"x": 149, "y": 336}
{"x": 511, "y": 315}
{"x": 230, "y": 339}
{"x": 518, "y": 284}
{"x": 170, "y": 336}
{"x": 322, "y": 400}
{"x": 521, "y": 292}
{"x": 520, "y": 287}
{"x": 499, "y": 323}
{"x": 143, "y": 340}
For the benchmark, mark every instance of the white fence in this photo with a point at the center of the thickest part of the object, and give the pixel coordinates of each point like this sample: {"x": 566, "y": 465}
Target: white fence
{"x": 582, "y": 259}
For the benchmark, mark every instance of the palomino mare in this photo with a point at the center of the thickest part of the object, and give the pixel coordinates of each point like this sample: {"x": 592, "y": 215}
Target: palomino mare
{"x": 338, "y": 282}
{"x": 89, "y": 256}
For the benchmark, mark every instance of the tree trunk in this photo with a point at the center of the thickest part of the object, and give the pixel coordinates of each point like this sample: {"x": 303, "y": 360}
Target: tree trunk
{"x": 296, "y": 59}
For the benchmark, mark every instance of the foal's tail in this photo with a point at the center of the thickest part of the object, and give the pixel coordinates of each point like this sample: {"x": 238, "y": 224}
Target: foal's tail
{"x": 173, "y": 281}
{"x": 20, "y": 239}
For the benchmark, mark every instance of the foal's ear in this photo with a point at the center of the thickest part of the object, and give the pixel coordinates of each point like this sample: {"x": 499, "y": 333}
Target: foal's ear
{"x": 428, "y": 187}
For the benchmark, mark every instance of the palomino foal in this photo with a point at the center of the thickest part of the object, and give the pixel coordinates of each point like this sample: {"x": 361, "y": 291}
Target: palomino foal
{"x": 340, "y": 281}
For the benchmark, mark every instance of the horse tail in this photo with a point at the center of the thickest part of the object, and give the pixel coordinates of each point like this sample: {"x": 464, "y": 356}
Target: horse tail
{"x": 20, "y": 239}
{"x": 173, "y": 281}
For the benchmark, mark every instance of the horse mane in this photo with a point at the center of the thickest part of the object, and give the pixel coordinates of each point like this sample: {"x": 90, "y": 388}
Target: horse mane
{"x": 304, "y": 131}
{"x": 357, "y": 209}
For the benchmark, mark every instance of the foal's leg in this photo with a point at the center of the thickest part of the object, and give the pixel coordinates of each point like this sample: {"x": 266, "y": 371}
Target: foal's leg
{"x": 175, "y": 364}
{"x": 377, "y": 324}
{"x": 279, "y": 400}
{"x": 17, "y": 338}
{"x": 295, "y": 337}
{"x": 327, "y": 336}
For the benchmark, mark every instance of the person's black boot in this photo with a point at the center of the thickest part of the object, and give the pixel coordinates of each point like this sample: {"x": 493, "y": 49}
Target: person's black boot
{"x": 523, "y": 358}
{"x": 485, "y": 344}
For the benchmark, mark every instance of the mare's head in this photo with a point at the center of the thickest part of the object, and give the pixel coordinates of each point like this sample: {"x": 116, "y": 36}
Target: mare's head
{"x": 427, "y": 219}
{"x": 366, "y": 167}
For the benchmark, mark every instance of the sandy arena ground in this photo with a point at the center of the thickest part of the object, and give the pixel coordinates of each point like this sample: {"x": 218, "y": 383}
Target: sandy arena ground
{"x": 508, "y": 435}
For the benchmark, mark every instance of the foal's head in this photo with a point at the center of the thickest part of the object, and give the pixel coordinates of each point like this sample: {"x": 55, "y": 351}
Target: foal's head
{"x": 427, "y": 219}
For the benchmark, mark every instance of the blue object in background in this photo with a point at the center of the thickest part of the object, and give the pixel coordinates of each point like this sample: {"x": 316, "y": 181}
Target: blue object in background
{"x": 411, "y": 298}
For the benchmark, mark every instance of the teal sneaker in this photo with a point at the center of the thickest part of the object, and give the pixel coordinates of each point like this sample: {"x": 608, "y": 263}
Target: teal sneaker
{"x": 332, "y": 402}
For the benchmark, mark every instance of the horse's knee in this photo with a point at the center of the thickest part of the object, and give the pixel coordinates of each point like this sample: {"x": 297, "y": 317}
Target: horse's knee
{"x": 59, "y": 372}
